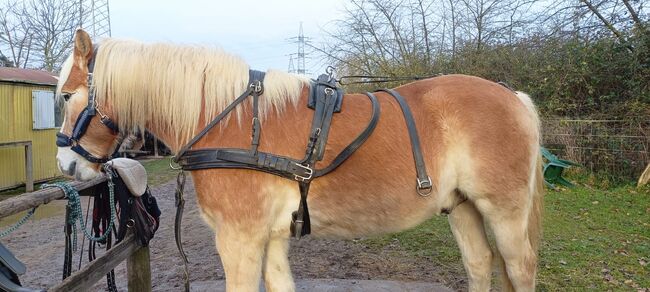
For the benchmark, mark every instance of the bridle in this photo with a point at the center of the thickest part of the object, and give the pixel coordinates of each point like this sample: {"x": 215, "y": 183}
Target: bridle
{"x": 83, "y": 121}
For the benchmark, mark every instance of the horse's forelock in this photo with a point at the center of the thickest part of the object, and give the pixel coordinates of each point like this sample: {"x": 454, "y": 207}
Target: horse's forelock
{"x": 66, "y": 67}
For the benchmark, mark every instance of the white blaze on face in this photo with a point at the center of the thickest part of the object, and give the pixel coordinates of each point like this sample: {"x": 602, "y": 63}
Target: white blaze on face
{"x": 69, "y": 162}
{"x": 73, "y": 164}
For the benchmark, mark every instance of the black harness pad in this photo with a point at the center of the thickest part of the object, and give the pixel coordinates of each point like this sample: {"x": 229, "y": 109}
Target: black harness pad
{"x": 318, "y": 92}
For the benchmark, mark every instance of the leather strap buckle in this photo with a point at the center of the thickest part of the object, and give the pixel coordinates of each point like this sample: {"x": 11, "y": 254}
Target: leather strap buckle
{"x": 308, "y": 170}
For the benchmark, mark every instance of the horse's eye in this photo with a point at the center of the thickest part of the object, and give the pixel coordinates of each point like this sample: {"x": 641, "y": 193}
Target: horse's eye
{"x": 65, "y": 95}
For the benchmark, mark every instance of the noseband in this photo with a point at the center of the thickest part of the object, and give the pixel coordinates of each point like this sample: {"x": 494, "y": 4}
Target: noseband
{"x": 83, "y": 121}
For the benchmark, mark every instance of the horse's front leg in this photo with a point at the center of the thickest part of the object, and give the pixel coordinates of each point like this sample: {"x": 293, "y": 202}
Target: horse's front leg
{"x": 241, "y": 248}
{"x": 277, "y": 272}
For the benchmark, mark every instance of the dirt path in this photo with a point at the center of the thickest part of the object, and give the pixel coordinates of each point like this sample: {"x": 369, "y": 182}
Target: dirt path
{"x": 39, "y": 244}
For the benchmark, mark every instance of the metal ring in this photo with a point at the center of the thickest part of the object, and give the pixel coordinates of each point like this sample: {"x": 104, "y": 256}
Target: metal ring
{"x": 171, "y": 165}
{"x": 424, "y": 194}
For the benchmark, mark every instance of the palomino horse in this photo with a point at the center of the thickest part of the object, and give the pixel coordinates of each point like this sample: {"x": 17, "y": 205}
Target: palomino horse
{"x": 480, "y": 141}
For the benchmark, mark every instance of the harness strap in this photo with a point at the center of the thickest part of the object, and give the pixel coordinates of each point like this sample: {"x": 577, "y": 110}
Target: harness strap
{"x": 300, "y": 222}
{"x": 357, "y": 142}
{"x": 213, "y": 123}
{"x": 424, "y": 184}
{"x": 180, "y": 205}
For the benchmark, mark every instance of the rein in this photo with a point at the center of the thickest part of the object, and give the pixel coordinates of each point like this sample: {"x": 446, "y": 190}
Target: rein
{"x": 368, "y": 79}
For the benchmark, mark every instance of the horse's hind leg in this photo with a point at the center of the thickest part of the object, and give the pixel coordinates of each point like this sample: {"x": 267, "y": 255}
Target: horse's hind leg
{"x": 468, "y": 229}
{"x": 277, "y": 273}
{"x": 510, "y": 227}
{"x": 241, "y": 253}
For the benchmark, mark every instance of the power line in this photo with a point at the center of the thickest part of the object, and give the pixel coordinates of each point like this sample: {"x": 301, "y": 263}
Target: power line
{"x": 95, "y": 18}
{"x": 291, "y": 69}
{"x": 300, "y": 56}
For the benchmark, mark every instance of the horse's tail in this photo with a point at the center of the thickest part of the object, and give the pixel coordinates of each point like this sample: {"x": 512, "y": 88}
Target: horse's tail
{"x": 536, "y": 194}
{"x": 536, "y": 211}
{"x": 537, "y": 178}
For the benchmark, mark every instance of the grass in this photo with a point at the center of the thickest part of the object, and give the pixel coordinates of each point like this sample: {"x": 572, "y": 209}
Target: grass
{"x": 158, "y": 171}
{"x": 594, "y": 239}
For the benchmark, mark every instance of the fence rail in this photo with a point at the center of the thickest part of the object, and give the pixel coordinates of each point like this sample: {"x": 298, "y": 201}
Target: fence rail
{"x": 129, "y": 249}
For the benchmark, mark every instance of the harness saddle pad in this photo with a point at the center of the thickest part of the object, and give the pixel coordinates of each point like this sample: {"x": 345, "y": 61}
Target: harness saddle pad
{"x": 132, "y": 173}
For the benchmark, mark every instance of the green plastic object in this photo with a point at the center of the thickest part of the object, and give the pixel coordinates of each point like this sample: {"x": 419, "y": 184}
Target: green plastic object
{"x": 553, "y": 168}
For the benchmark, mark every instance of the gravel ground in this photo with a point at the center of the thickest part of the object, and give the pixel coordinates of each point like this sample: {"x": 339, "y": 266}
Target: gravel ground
{"x": 39, "y": 244}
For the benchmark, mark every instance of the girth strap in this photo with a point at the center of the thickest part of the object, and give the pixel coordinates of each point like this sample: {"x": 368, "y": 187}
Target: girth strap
{"x": 300, "y": 222}
{"x": 424, "y": 184}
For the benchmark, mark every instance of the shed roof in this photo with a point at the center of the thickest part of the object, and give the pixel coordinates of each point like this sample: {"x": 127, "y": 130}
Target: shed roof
{"x": 29, "y": 76}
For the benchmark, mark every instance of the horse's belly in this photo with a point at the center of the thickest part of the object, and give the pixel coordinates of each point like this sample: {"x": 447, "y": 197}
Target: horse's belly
{"x": 351, "y": 210}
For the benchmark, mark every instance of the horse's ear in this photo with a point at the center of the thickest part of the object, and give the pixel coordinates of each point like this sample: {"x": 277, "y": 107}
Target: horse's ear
{"x": 83, "y": 46}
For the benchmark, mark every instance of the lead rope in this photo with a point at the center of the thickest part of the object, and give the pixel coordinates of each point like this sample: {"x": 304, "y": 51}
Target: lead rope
{"x": 18, "y": 224}
{"x": 76, "y": 213}
{"x": 180, "y": 204}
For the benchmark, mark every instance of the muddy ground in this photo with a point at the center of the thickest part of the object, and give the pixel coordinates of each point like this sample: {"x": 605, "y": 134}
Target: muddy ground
{"x": 39, "y": 244}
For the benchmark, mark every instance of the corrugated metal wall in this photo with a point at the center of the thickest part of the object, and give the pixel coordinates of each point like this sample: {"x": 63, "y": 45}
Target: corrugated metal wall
{"x": 16, "y": 125}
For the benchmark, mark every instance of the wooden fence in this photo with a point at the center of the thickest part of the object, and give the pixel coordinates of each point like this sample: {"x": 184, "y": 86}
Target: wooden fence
{"x": 129, "y": 249}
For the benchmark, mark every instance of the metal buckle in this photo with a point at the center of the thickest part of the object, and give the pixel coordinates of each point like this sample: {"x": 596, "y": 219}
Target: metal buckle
{"x": 257, "y": 86}
{"x": 425, "y": 187}
{"x": 329, "y": 91}
{"x": 310, "y": 173}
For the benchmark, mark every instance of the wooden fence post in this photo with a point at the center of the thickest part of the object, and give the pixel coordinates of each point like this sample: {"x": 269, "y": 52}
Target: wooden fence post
{"x": 29, "y": 168}
{"x": 139, "y": 271}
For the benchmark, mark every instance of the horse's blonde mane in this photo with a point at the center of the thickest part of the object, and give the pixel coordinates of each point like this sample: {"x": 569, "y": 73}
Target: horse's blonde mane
{"x": 166, "y": 84}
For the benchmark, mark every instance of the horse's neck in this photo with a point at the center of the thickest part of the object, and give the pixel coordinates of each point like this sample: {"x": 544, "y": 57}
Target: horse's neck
{"x": 282, "y": 133}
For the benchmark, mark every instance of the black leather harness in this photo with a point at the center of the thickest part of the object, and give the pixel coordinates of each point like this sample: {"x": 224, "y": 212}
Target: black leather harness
{"x": 325, "y": 99}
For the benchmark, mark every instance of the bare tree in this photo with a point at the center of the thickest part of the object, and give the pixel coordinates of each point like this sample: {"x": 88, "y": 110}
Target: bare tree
{"x": 15, "y": 35}
{"x": 38, "y": 33}
{"x": 52, "y": 24}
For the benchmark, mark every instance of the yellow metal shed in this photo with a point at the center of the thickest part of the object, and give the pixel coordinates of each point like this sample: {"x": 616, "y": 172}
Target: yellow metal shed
{"x": 27, "y": 114}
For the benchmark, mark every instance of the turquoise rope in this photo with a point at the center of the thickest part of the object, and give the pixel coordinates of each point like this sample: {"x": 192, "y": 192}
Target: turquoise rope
{"x": 18, "y": 224}
{"x": 76, "y": 214}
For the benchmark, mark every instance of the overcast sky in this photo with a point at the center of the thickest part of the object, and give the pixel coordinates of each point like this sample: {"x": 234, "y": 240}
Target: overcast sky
{"x": 259, "y": 31}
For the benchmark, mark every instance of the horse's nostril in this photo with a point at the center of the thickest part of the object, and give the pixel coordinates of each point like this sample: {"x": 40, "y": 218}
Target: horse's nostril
{"x": 71, "y": 169}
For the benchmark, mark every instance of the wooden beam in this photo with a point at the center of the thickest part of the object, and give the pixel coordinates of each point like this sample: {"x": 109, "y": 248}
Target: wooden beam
{"x": 85, "y": 278}
{"x": 14, "y": 144}
{"x": 27, "y": 201}
{"x": 138, "y": 270}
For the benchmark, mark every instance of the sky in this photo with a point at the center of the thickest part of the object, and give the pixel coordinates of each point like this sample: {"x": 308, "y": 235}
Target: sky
{"x": 258, "y": 31}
